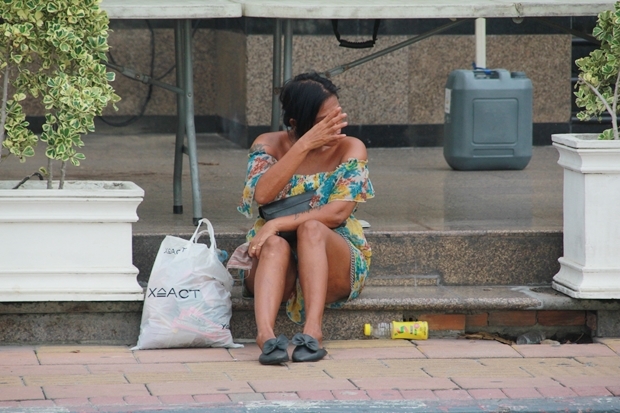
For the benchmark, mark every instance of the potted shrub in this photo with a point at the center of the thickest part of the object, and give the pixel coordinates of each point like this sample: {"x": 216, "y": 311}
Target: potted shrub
{"x": 590, "y": 266}
{"x": 54, "y": 51}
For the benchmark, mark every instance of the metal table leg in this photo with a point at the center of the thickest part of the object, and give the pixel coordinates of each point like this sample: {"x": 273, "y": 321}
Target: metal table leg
{"x": 278, "y": 65}
{"x": 177, "y": 183}
{"x": 277, "y": 76}
{"x": 288, "y": 49}
{"x": 183, "y": 38}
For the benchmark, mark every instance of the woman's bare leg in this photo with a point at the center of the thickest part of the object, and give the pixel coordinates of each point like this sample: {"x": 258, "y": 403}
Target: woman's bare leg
{"x": 272, "y": 281}
{"x": 324, "y": 271}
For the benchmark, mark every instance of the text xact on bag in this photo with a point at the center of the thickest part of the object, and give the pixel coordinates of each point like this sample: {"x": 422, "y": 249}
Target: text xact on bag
{"x": 188, "y": 297}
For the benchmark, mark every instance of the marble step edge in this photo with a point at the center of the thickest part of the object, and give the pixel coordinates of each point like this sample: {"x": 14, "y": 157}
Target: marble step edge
{"x": 378, "y": 298}
{"x": 451, "y": 299}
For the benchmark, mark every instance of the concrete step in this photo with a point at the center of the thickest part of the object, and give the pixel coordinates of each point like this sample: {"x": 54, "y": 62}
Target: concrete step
{"x": 498, "y": 257}
{"x": 450, "y": 310}
{"x": 457, "y": 280}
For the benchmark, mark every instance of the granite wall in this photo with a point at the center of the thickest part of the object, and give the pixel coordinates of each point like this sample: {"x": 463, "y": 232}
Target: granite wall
{"x": 395, "y": 100}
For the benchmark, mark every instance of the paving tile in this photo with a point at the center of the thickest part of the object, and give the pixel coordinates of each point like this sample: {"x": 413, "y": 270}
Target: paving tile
{"x": 37, "y": 403}
{"x": 418, "y": 394}
{"x": 183, "y": 355}
{"x": 612, "y": 343}
{"x": 350, "y": 395}
{"x": 355, "y": 369}
{"x": 142, "y": 400}
{"x": 9, "y": 393}
{"x": 89, "y": 409}
{"x": 10, "y": 381}
{"x": 120, "y": 409}
{"x": 590, "y": 381}
{"x": 591, "y": 391}
{"x": 603, "y": 366}
{"x": 108, "y": 401}
{"x": 456, "y": 368}
{"x": 253, "y": 370}
{"x": 481, "y": 394}
{"x": 315, "y": 395}
{"x": 246, "y": 397}
{"x": 72, "y": 401}
{"x": 556, "y": 391}
{"x": 263, "y": 386}
{"x": 615, "y": 390}
{"x": 38, "y": 370}
{"x": 463, "y": 349}
{"x": 94, "y": 390}
{"x": 174, "y": 377}
{"x": 84, "y": 355}
{"x": 249, "y": 352}
{"x": 452, "y": 394}
{"x": 138, "y": 368}
{"x": 565, "y": 350}
{"x": 384, "y": 394}
{"x": 376, "y": 353}
{"x": 368, "y": 343}
{"x": 18, "y": 356}
{"x": 404, "y": 383}
{"x": 62, "y": 379}
{"x": 212, "y": 398}
{"x": 197, "y": 387}
{"x": 557, "y": 367}
{"x": 503, "y": 382}
{"x": 522, "y": 393}
{"x": 170, "y": 399}
{"x": 8, "y": 405}
{"x": 281, "y": 396}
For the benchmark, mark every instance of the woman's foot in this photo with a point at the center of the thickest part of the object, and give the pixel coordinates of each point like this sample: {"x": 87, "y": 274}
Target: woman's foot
{"x": 308, "y": 348}
{"x": 274, "y": 351}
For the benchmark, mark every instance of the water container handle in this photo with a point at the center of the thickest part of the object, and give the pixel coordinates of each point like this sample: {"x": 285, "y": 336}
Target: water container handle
{"x": 486, "y": 71}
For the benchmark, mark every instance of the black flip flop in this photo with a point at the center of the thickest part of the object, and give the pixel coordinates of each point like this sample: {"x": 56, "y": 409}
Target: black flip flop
{"x": 307, "y": 348}
{"x": 275, "y": 351}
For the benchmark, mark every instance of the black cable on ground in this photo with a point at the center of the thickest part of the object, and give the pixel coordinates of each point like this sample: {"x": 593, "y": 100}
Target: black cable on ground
{"x": 135, "y": 118}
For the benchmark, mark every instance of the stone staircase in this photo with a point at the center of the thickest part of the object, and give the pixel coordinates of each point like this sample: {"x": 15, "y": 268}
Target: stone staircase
{"x": 458, "y": 281}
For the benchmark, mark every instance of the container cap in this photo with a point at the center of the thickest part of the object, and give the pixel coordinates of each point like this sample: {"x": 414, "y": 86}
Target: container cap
{"x": 367, "y": 329}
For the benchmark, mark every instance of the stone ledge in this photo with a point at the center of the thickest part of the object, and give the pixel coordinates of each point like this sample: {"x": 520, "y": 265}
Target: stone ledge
{"x": 466, "y": 299}
{"x": 477, "y": 307}
{"x": 466, "y": 257}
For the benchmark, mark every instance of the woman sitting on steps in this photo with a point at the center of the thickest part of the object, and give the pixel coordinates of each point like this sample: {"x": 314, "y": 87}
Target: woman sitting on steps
{"x": 328, "y": 263}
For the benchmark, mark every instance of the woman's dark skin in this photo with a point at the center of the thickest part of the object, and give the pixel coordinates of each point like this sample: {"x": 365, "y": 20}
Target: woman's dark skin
{"x": 323, "y": 255}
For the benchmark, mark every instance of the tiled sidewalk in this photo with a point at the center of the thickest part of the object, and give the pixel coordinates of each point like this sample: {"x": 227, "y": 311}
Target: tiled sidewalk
{"x": 114, "y": 378}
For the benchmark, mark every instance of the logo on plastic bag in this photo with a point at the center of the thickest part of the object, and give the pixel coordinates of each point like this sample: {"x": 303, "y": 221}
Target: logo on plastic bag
{"x": 182, "y": 293}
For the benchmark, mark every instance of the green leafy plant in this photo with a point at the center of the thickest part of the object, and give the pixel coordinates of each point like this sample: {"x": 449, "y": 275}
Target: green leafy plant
{"x": 599, "y": 73}
{"x": 54, "y": 51}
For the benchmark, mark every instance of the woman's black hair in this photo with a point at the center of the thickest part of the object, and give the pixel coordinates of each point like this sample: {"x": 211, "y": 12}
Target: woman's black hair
{"x": 301, "y": 99}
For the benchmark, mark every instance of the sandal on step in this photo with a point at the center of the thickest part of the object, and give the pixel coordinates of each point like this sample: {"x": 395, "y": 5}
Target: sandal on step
{"x": 307, "y": 348}
{"x": 275, "y": 351}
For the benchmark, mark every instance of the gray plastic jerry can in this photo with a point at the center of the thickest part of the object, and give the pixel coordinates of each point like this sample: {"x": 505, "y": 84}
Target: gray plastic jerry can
{"x": 488, "y": 120}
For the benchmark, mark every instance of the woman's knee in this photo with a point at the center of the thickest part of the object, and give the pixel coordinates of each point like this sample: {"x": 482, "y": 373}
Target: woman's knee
{"x": 275, "y": 246}
{"x": 311, "y": 230}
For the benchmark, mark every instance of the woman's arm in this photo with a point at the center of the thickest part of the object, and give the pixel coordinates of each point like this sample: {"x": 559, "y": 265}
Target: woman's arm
{"x": 331, "y": 214}
{"x": 325, "y": 132}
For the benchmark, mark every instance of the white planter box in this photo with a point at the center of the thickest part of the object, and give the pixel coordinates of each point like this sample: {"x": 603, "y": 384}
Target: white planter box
{"x": 590, "y": 267}
{"x": 73, "y": 244}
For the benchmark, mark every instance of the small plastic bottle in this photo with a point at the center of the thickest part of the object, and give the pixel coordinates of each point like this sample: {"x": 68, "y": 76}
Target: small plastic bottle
{"x": 409, "y": 330}
{"x": 531, "y": 337}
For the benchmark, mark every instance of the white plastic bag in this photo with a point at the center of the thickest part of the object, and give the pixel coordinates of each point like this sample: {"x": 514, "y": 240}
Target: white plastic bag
{"x": 187, "y": 300}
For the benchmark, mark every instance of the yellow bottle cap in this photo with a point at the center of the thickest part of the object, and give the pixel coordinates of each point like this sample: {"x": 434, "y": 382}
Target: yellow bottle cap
{"x": 367, "y": 329}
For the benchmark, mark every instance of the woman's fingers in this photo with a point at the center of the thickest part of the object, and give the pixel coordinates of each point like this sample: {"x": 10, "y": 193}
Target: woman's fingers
{"x": 254, "y": 250}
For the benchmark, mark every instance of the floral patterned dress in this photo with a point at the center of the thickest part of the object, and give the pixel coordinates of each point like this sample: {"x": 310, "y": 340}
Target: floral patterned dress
{"x": 348, "y": 182}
